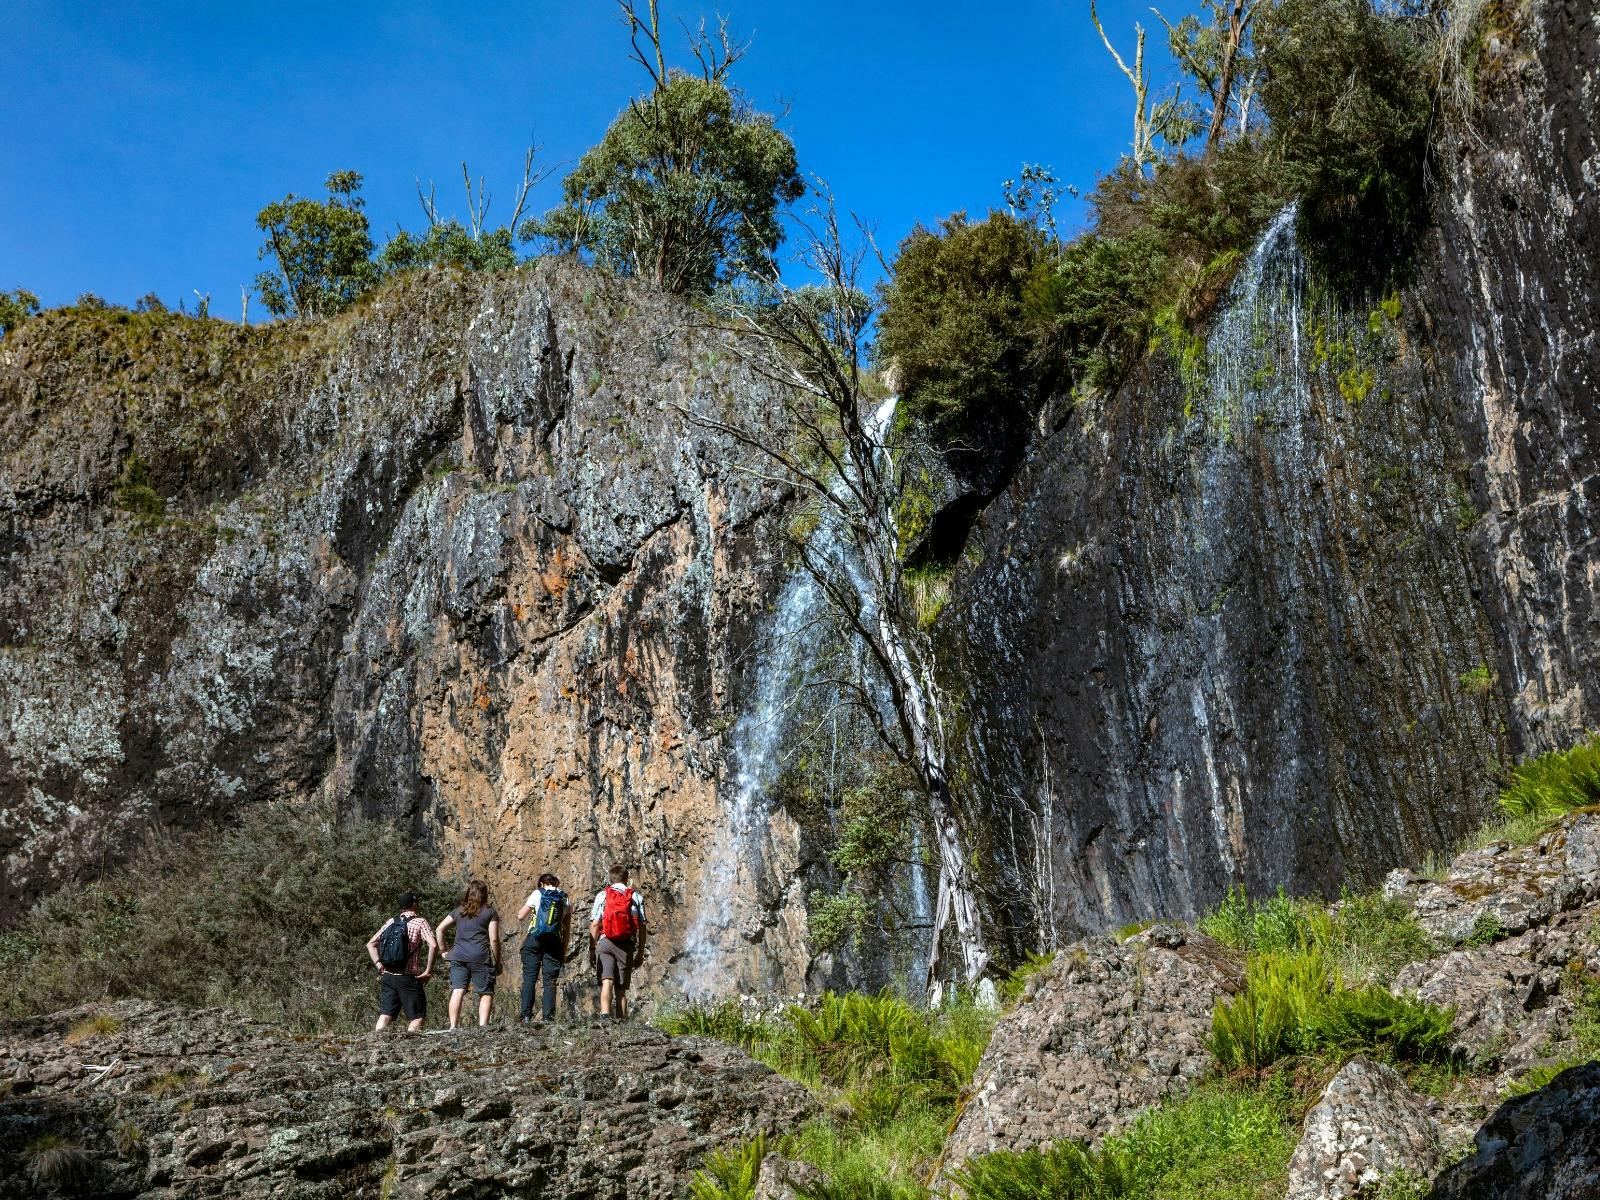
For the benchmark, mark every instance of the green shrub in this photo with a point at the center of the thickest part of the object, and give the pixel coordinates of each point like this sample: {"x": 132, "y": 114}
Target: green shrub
{"x": 725, "y": 1021}
{"x": 951, "y": 321}
{"x": 1346, "y": 92}
{"x": 1555, "y": 783}
{"x": 730, "y": 1174}
{"x": 302, "y": 892}
{"x": 16, "y": 306}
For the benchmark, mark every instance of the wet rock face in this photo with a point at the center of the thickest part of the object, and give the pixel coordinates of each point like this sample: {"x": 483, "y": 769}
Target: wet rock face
{"x": 1275, "y": 619}
{"x": 1513, "y": 294}
{"x": 1544, "y": 1146}
{"x": 197, "y": 1104}
{"x": 1109, "y": 1029}
{"x": 1369, "y": 1124}
{"x": 457, "y": 559}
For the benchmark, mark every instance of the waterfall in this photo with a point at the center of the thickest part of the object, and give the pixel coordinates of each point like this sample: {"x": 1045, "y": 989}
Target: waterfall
{"x": 1256, "y": 360}
{"x": 1257, "y": 386}
{"x": 754, "y": 750}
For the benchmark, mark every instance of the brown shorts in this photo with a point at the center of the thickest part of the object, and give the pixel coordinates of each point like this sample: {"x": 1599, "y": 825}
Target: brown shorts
{"x": 616, "y": 961}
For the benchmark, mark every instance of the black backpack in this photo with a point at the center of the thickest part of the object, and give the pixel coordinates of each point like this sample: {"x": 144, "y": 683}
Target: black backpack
{"x": 394, "y": 945}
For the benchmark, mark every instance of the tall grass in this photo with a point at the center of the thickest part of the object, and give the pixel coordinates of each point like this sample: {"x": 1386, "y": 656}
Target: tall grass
{"x": 891, "y": 1073}
{"x": 1365, "y": 938}
{"x": 1222, "y": 1141}
{"x": 1556, "y": 783}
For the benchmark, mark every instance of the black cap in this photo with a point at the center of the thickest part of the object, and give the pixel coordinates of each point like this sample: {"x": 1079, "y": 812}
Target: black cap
{"x": 408, "y": 900}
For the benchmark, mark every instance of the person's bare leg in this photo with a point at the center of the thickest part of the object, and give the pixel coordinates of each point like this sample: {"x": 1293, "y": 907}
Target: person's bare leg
{"x": 484, "y": 1001}
{"x": 383, "y": 1023}
{"x": 455, "y": 1005}
{"x": 606, "y": 989}
{"x": 622, "y": 1005}
{"x": 415, "y": 1026}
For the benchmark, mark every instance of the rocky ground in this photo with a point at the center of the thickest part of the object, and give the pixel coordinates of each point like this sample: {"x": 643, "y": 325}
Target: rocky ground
{"x": 1113, "y": 1027}
{"x": 169, "y": 1103}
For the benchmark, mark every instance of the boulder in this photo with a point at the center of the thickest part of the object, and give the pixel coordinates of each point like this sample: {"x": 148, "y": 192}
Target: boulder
{"x": 1507, "y": 888}
{"x": 188, "y": 1104}
{"x": 1369, "y": 1124}
{"x": 1506, "y": 1007}
{"x": 1110, "y": 1029}
{"x": 780, "y": 1177}
{"x": 1543, "y": 1146}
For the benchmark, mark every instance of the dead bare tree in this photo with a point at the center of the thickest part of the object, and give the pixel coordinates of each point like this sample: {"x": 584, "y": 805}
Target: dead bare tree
{"x": 1167, "y": 119}
{"x": 826, "y": 442}
{"x": 1143, "y": 136}
{"x": 478, "y": 197}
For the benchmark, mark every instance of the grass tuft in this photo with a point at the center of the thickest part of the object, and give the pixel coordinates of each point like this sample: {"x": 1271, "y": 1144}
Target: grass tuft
{"x": 99, "y": 1025}
{"x": 56, "y": 1162}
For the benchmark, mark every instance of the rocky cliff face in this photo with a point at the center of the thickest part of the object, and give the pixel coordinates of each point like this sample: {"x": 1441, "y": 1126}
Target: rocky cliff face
{"x": 1274, "y": 613}
{"x": 456, "y": 559}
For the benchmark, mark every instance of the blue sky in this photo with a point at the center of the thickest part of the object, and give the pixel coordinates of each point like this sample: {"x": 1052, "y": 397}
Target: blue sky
{"x": 142, "y": 137}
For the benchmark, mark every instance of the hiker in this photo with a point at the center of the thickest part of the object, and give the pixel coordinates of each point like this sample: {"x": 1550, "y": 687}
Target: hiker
{"x": 544, "y": 950}
{"x": 393, "y": 950}
{"x": 475, "y": 957}
{"x": 616, "y": 941}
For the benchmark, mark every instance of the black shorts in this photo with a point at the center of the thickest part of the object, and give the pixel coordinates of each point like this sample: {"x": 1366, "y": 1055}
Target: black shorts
{"x": 402, "y": 993}
{"x": 479, "y": 975}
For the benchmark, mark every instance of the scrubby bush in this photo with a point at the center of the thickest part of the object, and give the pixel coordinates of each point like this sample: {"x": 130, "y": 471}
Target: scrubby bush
{"x": 1347, "y": 92}
{"x": 17, "y": 306}
{"x": 269, "y": 917}
{"x": 1016, "y": 979}
{"x": 952, "y": 323}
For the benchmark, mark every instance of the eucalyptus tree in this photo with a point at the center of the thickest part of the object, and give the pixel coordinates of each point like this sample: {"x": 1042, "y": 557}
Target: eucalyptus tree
{"x": 687, "y": 186}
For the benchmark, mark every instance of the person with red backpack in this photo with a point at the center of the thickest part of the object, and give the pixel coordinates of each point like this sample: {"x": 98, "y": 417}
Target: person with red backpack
{"x": 616, "y": 941}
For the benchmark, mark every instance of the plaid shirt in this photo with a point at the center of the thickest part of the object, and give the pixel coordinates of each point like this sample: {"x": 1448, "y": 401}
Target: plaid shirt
{"x": 418, "y": 931}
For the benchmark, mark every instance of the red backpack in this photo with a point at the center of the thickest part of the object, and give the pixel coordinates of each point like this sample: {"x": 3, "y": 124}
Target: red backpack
{"x": 617, "y": 921}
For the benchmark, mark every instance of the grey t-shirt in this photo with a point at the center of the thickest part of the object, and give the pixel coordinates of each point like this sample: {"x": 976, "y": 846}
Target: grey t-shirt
{"x": 472, "y": 936}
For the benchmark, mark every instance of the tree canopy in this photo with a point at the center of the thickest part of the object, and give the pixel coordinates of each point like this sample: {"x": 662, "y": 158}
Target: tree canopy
{"x": 323, "y": 249}
{"x": 683, "y": 190}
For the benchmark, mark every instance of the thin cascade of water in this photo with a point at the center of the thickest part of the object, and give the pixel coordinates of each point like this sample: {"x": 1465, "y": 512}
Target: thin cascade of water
{"x": 1255, "y": 357}
{"x": 754, "y": 748}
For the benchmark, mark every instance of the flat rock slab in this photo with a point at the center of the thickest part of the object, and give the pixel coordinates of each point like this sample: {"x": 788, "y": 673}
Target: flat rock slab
{"x": 180, "y": 1103}
{"x": 1544, "y": 1146}
{"x": 1368, "y": 1124}
{"x": 1111, "y": 1029}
